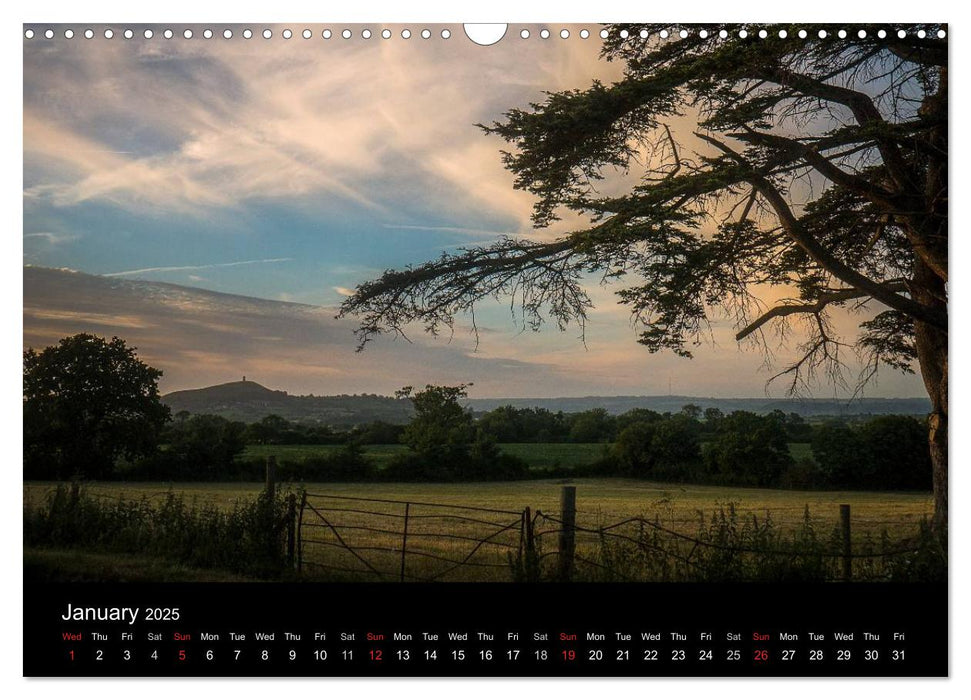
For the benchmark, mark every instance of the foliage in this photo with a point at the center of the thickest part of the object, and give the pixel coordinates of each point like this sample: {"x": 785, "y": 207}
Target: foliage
{"x": 445, "y": 444}
{"x": 87, "y": 402}
{"x": 727, "y": 546}
{"x": 249, "y": 538}
{"x": 749, "y": 449}
{"x": 887, "y": 451}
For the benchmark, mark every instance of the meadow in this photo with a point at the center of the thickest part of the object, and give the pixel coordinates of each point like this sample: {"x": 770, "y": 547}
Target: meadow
{"x": 606, "y": 498}
{"x": 439, "y": 537}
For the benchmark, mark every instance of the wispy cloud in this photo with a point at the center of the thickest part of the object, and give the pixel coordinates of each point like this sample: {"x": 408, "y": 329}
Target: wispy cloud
{"x": 183, "y": 268}
{"x": 52, "y": 238}
{"x": 485, "y": 233}
{"x": 344, "y": 291}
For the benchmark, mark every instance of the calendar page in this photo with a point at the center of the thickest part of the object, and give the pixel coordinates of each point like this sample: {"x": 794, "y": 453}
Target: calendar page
{"x": 561, "y": 350}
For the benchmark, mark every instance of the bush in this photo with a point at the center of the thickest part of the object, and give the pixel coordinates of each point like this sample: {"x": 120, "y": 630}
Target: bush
{"x": 249, "y": 539}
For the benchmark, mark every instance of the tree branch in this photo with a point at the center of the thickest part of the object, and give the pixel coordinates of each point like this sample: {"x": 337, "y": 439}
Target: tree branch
{"x": 808, "y": 243}
{"x": 816, "y": 307}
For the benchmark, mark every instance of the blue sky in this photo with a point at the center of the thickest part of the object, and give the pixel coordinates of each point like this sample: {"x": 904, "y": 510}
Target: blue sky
{"x": 293, "y": 170}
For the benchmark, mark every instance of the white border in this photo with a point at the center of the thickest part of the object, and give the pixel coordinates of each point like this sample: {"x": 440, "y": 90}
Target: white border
{"x": 182, "y": 11}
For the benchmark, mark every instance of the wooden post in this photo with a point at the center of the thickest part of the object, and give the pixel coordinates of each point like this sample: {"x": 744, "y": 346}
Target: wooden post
{"x": 303, "y": 504}
{"x": 404, "y": 541}
{"x": 271, "y": 477}
{"x": 291, "y": 528}
{"x": 530, "y": 563}
{"x": 847, "y": 542}
{"x": 568, "y": 514}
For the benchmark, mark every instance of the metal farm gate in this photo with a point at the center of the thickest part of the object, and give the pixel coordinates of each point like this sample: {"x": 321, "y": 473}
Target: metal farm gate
{"x": 390, "y": 540}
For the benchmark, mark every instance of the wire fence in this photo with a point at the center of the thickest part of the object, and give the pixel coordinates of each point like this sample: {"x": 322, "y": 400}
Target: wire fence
{"x": 381, "y": 539}
{"x": 725, "y": 547}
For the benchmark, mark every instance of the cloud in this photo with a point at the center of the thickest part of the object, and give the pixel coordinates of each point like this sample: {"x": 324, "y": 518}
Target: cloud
{"x": 182, "y": 268}
{"x": 190, "y": 126}
{"x": 344, "y": 291}
{"x": 198, "y": 337}
{"x": 52, "y": 239}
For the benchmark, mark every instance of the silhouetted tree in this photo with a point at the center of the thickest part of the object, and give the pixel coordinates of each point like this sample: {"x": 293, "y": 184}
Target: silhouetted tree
{"x": 87, "y": 402}
{"x": 818, "y": 167}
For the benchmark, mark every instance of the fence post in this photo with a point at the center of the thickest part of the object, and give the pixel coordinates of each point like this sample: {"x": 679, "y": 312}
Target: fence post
{"x": 847, "y": 542}
{"x": 404, "y": 541}
{"x": 303, "y": 504}
{"x": 291, "y": 528}
{"x": 568, "y": 514}
{"x": 271, "y": 477}
{"x": 530, "y": 563}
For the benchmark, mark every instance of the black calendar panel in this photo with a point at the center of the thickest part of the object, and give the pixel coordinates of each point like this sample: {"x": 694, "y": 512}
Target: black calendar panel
{"x": 342, "y": 630}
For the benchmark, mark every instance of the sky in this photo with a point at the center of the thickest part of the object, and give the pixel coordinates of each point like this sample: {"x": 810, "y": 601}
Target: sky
{"x": 290, "y": 171}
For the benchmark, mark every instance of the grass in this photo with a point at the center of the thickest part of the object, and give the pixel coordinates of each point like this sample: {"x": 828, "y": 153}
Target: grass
{"x": 611, "y": 498}
{"x": 537, "y": 455}
{"x": 377, "y": 535}
{"x": 75, "y": 566}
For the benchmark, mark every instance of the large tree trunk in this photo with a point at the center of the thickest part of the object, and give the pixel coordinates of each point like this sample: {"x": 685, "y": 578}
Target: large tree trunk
{"x": 931, "y": 345}
{"x": 930, "y": 288}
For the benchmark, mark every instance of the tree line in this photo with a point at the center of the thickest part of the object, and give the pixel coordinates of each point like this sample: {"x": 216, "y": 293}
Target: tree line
{"x": 92, "y": 410}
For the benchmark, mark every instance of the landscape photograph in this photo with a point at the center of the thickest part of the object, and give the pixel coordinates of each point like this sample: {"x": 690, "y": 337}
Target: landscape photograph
{"x": 591, "y": 303}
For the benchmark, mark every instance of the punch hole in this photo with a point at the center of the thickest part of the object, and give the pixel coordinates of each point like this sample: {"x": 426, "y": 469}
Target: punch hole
{"x": 485, "y": 34}
{"x": 247, "y": 33}
{"x": 29, "y": 33}
{"x": 287, "y": 33}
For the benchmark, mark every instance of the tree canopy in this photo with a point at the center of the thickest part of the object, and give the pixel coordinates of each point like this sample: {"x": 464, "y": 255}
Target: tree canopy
{"x": 87, "y": 402}
{"x": 813, "y": 177}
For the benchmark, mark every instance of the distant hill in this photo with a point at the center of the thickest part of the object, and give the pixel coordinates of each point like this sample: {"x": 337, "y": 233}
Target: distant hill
{"x": 250, "y": 401}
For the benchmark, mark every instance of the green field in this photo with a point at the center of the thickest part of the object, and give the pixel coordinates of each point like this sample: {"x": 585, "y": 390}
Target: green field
{"x": 439, "y": 536}
{"x": 537, "y": 455}
{"x": 605, "y": 499}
